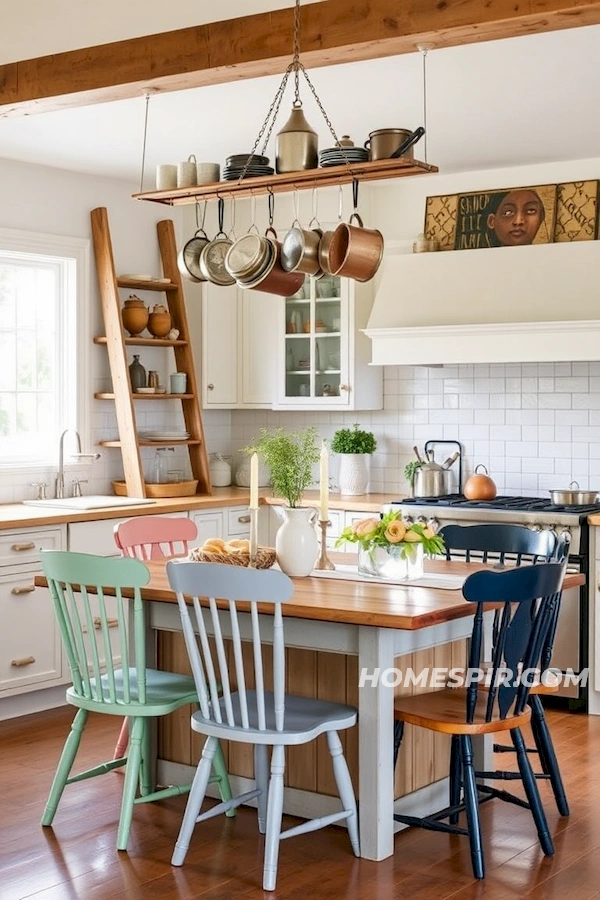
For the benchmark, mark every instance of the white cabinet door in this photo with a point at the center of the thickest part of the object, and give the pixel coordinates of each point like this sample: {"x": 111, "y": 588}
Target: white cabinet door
{"x": 209, "y": 525}
{"x": 258, "y": 315}
{"x": 219, "y": 346}
{"x": 322, "y": 355}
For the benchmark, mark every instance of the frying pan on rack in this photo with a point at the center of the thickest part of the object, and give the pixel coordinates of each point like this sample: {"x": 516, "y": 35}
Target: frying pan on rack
{"x": 188, "y": 258}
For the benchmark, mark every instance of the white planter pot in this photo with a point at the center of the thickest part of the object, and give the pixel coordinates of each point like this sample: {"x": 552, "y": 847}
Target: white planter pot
{"x": 354, "y": 473}
{"x": 296, "y": 541}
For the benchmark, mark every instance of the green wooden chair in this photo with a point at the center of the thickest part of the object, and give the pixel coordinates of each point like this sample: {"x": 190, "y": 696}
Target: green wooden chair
{"x": 87, "y": 616}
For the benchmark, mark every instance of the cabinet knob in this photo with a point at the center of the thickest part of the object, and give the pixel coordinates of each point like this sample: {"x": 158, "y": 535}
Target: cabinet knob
{"x": 19, "y": 547}
{"x": 210, "y": 387}
{"x": 27, "y": 589}
{"x": 23, "y": 661}
{"x": 344, "y": 387}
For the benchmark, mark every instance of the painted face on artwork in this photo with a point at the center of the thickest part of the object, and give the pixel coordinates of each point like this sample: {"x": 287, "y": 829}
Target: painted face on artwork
{"x": 517, "y": 219}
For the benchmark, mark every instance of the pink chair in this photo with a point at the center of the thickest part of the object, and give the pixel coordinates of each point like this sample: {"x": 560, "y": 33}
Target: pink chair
{"x": 151, "y": 537}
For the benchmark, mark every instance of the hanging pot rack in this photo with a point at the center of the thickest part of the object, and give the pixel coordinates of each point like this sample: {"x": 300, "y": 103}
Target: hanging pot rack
{"x": 304, "y": 179}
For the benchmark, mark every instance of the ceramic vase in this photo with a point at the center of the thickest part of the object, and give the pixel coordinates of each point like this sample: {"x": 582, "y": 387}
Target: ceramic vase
{"x": 354, "y": 473}
{"x": 159, "y": 322}
{"x": 135, "y": 316}
{"x": 296, "y": 541}
{"x": 137, "y": 373}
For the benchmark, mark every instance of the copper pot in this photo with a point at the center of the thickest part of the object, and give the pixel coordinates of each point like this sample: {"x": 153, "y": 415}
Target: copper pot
{"x": 324, "y": 251}
{"x": 355, "y": 251}
{"x": 274, "y": 279}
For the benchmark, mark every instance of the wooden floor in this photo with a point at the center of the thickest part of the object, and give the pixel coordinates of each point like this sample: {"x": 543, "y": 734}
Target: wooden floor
{"x": 77, "y": 857}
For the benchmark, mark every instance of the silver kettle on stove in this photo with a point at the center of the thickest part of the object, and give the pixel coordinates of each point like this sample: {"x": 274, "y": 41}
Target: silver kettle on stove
{"x": 430, "y": 479}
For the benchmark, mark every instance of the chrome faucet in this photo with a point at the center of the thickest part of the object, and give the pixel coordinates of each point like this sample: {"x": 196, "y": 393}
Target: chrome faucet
{"x": 59, "y": 491}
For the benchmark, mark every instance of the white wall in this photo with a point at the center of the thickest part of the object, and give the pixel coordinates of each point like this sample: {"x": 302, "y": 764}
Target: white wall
{"x": 54, "y": 201}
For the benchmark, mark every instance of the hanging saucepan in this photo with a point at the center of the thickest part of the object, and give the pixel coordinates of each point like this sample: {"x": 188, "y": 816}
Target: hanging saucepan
{"x": 327, "y": 237}
{"x": 300, "y": 246}
{"x": 212, "y": 258}
{"x": 188, "y": 258}
{"x": 355, "y": 251}
{"x": 270, "y": 277}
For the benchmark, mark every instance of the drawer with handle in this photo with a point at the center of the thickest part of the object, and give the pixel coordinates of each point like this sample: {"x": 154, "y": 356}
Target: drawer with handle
{"x": 30, "y": 652}
{"x": 238, "y": 521}
{"x": 23, "y": 547}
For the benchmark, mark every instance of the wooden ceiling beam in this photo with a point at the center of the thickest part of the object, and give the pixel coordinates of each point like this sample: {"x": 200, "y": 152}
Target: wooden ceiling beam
{"x": 332, "y": 32}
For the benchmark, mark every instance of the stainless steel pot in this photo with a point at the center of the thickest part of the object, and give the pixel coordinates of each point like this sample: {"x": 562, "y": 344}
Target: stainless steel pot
{"x": 430, "y": 479}
{"x": 573, "y": 496}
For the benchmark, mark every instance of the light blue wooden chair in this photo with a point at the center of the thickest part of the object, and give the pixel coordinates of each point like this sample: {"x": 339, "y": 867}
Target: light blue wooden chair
{"x": 87, "y": 619}
{"x": 255, "y": 716}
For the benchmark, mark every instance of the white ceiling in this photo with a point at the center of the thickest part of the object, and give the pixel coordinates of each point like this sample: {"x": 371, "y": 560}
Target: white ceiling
{"x": 502, "y": 103}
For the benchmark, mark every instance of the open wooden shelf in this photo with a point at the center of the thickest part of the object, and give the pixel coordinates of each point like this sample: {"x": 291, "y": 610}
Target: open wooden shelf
{"x": 141, "y": 443}
{"x": 143, "y": 285}
{"x": 103, "y": 395}
{"x": 377, "y": 170}
{"x": 146, "y": 342}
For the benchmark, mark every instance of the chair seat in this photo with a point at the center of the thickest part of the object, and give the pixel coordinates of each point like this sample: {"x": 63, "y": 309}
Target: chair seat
{"x": 165, "y": 692}
{"x": 444, "y": 711}
{"x": 305, "y": 719}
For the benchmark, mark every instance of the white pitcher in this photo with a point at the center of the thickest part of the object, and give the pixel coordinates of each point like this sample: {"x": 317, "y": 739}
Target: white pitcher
{"x": 296, "y": 541}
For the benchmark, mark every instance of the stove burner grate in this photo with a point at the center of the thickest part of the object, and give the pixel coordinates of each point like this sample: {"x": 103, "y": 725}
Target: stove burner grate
{"x": 517, "y": 504}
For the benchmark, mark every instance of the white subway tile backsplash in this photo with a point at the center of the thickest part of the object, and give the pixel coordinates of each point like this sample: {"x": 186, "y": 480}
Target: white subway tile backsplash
{"x": 536, "y": 426}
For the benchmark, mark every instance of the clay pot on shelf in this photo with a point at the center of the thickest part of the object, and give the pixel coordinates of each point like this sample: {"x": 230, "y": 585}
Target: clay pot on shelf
{"x": 134, "y": 315}
{"x": 159, "y": 322}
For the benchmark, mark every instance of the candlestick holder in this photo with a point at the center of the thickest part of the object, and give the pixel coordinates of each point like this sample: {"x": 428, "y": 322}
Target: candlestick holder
{"x": 323, "y": 561}
{"x": 253, "y": 537}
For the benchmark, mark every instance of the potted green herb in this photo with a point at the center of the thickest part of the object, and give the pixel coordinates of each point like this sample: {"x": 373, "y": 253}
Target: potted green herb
{"x": 353, "y": 445}
{"x": 290, "y": 456}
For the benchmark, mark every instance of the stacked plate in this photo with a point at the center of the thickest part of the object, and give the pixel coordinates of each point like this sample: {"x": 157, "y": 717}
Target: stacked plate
{"x": 235, "y": 165}
{"x": 338, "y": 156}
{"x": 164, "y": 435}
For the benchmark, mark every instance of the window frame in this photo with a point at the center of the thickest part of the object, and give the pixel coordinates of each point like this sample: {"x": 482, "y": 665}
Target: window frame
{"x": 79, "y": 250}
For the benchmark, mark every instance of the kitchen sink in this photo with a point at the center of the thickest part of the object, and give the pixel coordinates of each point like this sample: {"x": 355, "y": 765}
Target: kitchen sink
{"x": 93, "y": 501}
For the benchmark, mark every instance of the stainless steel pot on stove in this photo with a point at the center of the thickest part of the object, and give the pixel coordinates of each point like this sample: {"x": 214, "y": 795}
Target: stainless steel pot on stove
{"x": 573, "y": 496}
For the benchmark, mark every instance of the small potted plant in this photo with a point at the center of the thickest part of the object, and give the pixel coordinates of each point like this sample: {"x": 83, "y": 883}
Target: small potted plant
{"x": 353, "y": 445}
{"x": 290, "y": 457}
{"x": 390, "y": 548}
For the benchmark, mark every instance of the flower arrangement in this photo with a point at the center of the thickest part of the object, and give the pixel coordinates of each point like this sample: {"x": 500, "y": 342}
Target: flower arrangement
{"x": 388, "y": 546}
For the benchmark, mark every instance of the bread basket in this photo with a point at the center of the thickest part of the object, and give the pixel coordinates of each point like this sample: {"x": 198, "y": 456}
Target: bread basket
{"x": 265, "y": 557}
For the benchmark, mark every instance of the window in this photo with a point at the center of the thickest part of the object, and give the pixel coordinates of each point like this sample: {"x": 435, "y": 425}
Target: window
{"x": 43, "y": 383}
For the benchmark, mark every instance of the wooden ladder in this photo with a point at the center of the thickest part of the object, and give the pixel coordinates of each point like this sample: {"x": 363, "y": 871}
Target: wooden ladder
{"x": 116, "y": 344}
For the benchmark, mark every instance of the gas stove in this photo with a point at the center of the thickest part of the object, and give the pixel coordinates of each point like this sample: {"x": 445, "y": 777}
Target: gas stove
{"x": 535, "y": 512}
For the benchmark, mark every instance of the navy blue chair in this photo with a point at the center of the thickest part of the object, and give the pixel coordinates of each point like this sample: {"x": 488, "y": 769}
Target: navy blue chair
{"x": 528, "y": 596}
{"x": 515, "y": 545}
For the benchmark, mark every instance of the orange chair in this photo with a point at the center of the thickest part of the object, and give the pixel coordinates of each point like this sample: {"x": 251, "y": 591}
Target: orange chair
{"x": 151, "y": 537}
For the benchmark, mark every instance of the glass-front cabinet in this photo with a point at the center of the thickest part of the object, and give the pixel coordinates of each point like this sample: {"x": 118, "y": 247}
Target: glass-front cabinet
{"x": 320, "y": 348}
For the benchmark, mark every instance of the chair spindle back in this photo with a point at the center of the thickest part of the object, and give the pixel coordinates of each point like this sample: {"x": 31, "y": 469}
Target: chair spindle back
{"x": 89, "y": 603}
{"x": 529, "y": 595}
{"x": 155, "y": 537}
{"x": 209, "y": 658}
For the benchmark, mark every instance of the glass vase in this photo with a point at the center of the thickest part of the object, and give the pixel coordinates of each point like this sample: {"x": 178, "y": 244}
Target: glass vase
{"x": 397, "y": 563}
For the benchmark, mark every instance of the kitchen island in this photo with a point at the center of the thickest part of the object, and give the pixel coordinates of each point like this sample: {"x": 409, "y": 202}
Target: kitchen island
{"x": 334, "y": 629}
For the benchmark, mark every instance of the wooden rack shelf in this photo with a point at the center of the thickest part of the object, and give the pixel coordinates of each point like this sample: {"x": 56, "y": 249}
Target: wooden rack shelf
{"x": 103, "y": 395}
{"x": 377, "y": 170}
{"x": 145, "y": 285}
{"x": 146, "y": 342}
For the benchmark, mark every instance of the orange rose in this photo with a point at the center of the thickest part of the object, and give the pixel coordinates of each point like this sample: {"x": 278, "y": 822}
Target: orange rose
{"x": 366, "y": 527}
{"x": 395, "y": 531}
{"x": 413, "y": 537}
{"x": 428, "y": 532}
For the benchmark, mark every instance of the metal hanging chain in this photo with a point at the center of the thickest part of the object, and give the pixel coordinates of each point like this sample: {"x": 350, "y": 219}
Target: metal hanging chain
{"x": 296, "y": 61}
{"x": 144, "y": 142}
{"x": 270, "y": 117}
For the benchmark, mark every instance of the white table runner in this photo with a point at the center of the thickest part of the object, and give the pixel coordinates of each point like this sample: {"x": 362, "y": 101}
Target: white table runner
{"x": 444, "y": 582}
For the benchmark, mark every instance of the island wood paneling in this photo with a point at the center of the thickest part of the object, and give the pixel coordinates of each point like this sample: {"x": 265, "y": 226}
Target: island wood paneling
{"x": 329, "y": 676}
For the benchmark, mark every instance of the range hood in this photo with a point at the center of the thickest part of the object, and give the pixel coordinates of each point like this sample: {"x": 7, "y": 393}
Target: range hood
{"x": 539, "y": 303}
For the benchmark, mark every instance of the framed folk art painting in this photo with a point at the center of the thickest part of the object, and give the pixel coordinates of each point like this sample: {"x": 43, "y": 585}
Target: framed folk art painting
{"x": 510, "y": 217}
